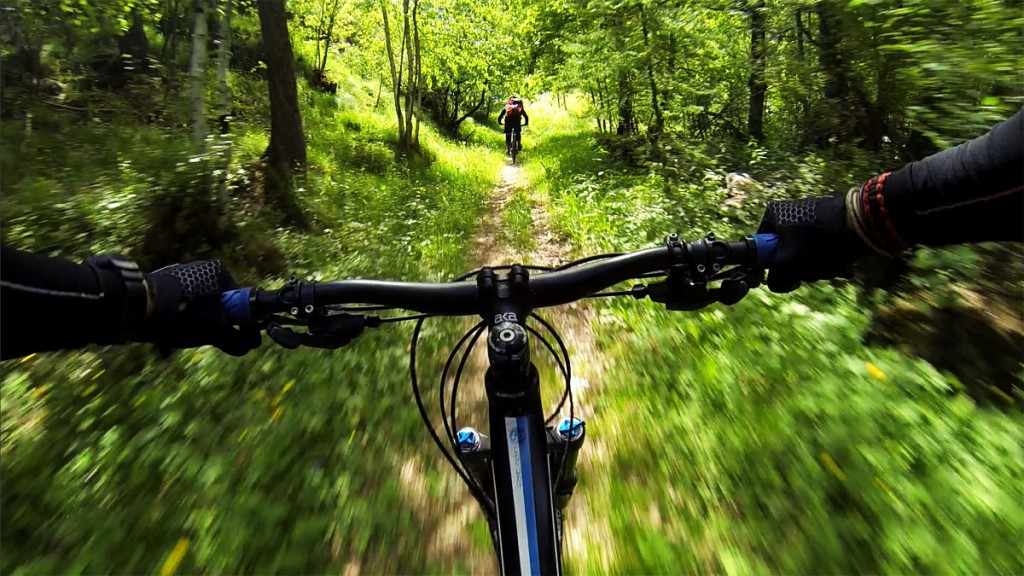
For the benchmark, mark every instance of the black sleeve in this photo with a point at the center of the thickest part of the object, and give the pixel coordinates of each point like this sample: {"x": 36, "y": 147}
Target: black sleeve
{"x": 971, "y": 193}
{"x": 501, "y": 114}
{"x": 51, "y": 303}
{"x": 525, "y": 116}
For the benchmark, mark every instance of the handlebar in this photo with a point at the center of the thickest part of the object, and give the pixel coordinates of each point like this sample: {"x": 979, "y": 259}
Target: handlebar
{"x": 700, "y": 258}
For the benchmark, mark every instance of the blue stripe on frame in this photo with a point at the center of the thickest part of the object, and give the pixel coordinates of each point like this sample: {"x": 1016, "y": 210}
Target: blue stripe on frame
{"x": 530, "y": 504}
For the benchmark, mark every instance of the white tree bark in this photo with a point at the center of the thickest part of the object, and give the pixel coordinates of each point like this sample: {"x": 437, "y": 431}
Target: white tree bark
{"x": 197, "y": 75}
{"x": 223, "y": 61}
{"x": 418, "y": 87}
{"x": 224, "y": 98}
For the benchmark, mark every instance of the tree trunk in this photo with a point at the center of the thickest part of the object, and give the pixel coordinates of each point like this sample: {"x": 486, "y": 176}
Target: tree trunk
{"x": 456, "y": 99}
{"x": 396, "y": 74}
{"x": 223, "y": 62}
{"x": 169, "y": 29}
{"x": 593, "y": 104}
{"x": 135, "y": 45}
{"x": 453, "y": 127}
{"x": 287, "y": 149}
{"x": 654, "y": 130}
{"x": 322, "y": 64}
{"x": 197, "y": 76}
{"x": 668, "y": 95}
{"x": 169, "y": 53}
{"x": 605, "y": 114}
{"x": 319, "y": 30}
{"x": 887, "y": 94}
{"x": 802, "y": 100}
{"x": 224, "y": 99}
{"x": 410, "y": 85}
{"x": 626, "y": 121}
{"x": 828, "y": 46}
{"x": 757, "y": 83}
{"x": 832, "y": 65}
{"x": 625, "y": 95}
{"x": 854, "y": 115}
{"x": 419, "y": 73}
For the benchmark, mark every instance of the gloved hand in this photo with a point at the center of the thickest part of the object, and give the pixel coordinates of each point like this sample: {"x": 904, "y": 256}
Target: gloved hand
{"x": 814, "y": 241}
{"x": 187, "y": 311}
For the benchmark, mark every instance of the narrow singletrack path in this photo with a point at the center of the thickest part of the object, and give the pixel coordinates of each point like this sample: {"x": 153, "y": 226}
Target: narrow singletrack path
{"x": 453, "y": 514}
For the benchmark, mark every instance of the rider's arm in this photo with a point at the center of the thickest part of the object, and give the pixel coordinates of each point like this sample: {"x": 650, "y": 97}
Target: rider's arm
{"x": 53, "y": 303}
{"x": 971, "y": 193}
{"x": 526, "y": 117}
{"x": 501, "y": 114}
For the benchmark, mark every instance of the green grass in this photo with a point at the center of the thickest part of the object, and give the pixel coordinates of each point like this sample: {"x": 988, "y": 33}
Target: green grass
{"x": 282, "y": 461}
{"x": 765, "y": 437}
{"x": 759, "y": 438}
{"x": 516, "y": 219}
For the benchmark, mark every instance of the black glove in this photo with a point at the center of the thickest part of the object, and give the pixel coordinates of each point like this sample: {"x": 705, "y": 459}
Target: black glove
{"x": 187, "y": 311}
{"x": 814, "y": 241}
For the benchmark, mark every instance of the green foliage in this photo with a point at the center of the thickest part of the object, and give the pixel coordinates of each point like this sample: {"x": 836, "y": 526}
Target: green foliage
{"x": 794, "y": 449}
{"x": 278, "y": 462}
{"x": 93, "y": 200}
{"x": 909, "y": 75}
{"x": 516, "y": 220}
{"x": 762, "y": 438}
{"x": 948, "y": 70}
{"x": 72, "y": 17}
{"x": 765, "y": 437}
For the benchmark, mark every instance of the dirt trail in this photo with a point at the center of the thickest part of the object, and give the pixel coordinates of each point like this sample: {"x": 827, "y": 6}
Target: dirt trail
{"x": 586, "y": 532}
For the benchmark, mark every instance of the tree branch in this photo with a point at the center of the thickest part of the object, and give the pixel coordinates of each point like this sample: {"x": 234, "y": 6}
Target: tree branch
{"x": 483, "y": 97}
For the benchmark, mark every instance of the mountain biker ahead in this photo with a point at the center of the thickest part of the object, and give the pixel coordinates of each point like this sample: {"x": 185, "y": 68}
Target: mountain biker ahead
{"x": 971, "y": 193}
{"x": 513, "y": 114}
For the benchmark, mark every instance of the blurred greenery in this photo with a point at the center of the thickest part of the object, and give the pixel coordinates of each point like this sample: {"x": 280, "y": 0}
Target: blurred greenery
{"x": 844, "y": 428}
{"x": 767, "y": 438}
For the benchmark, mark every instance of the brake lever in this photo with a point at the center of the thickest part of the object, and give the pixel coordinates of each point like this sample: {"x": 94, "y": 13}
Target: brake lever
{"x": 731, "y": 291}
{"x": 284, "y": 337}
{"x": 680, "y": 291}
{"x": 329, "y": 332}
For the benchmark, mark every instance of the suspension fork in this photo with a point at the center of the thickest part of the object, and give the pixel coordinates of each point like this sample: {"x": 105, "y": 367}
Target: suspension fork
{"x": 475, "y": 448}
{"x": 511, "y": 371}
{"x": 517, "y": 464}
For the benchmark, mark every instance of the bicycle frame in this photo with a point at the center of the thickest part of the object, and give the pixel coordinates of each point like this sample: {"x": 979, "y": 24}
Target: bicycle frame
{"x": 527, "y": 541}
{"x": 523, "y": 504}
{"x": 515, "y": 143}
{"x": 527, "y": 533}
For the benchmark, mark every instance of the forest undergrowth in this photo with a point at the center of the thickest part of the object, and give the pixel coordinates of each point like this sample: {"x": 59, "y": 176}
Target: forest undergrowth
{"x": 767, "y": 437}
{"x": 282, "y": 461}
{"x": 814, "y": 432}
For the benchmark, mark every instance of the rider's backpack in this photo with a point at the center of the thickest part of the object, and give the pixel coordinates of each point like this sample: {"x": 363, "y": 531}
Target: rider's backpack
{"x": 513, "y": 110}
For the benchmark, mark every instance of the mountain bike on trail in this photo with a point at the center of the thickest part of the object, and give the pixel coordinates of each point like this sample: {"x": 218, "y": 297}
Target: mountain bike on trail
{"x": 515, "y": 147}
{"x": 524, "y": 473}
{"x": 512, "y": 117}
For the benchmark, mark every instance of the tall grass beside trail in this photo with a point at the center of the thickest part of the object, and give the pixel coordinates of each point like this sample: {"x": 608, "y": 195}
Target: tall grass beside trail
{"x": 766, "y": 437}
{"x": 279, "y": 462}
